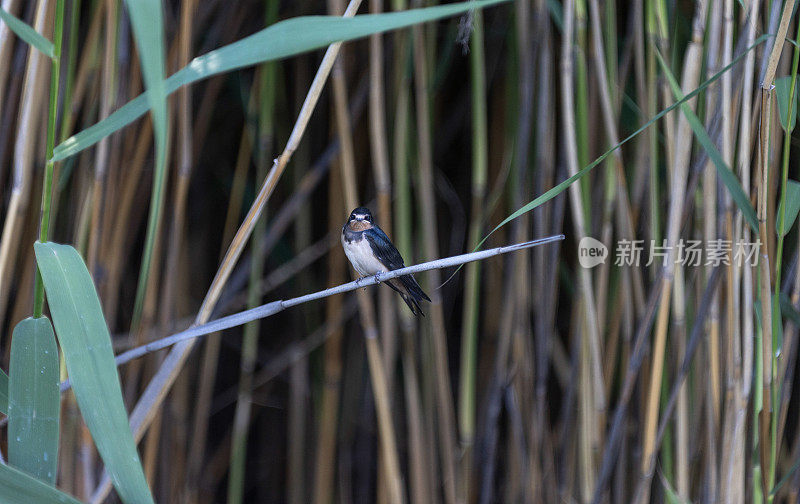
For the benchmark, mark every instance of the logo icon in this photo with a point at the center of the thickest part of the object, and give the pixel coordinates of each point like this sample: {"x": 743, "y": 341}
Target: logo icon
{"x": 591, "y": 252}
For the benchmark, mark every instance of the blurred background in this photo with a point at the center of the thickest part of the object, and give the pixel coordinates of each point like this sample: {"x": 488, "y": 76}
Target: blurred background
{"x": 531, "y": 378}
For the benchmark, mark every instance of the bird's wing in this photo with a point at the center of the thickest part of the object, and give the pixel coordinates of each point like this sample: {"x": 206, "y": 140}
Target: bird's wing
{"x": 383, "y": 248}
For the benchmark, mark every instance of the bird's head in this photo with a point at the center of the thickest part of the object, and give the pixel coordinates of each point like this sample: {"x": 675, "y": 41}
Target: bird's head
{"x": 360, "y": 219}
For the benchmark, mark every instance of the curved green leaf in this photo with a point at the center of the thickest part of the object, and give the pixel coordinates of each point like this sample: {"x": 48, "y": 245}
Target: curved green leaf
{"x": 27, "y": 33}
{"x": 33, "y": 387}
{"x": 725, "y": 174}
{"x": 783, "y": 91}
{"x": 148, "y": 27}
{"x": 281, "y": 40}
{"x": 86, "y": 343}
{"x": 16, "y": 487}
{"x": 792, "y": 207}
{"x": 147, "y": 24}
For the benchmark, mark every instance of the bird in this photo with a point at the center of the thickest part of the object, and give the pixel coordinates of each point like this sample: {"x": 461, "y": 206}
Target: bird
{"x": 371, "y": 252}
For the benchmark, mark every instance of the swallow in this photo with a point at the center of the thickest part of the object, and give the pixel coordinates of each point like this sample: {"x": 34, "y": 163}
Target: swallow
{"x": 371, "y": 252}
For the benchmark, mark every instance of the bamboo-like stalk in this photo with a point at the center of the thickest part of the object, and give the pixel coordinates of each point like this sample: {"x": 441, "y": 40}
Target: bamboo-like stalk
{"x": 7, "y": 39}
{"x": 766, "y": 417}
{"x": 732, "y": 471}
{"x": 427, "y": 204}
{"x": 691, "y": 72}
{"x": 730, "y": 482}
{"x": 421, "y": 449}
{"x": 111, "y": 9}
{"x": 524, "y": 299}
{"x": 780, "y": 219}
{"x": 380, "y": 165}
{"x": 388, "y": 449}
{"x": 149, "y": 309}
{"x": 714, "y": 98}
{"x": 265, "y": 90}
{"x": 27, "y": 132}
{"x": 617, "y": 187}
{"x": 325, "y": 462}
{"x": 544, "y": 271}
{"x": 588, "y": 328}
{"x": 469, "y": 333}
{"x": 211, "y": 351}
{"x": 47, "y": 185}
{"x": 383, "y": 181}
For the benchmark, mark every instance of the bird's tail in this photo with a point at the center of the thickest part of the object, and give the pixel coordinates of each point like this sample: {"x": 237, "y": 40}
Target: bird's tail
{"x": 410, "y": 291}
{"x": 415, "y": 294}
{"x": 412, "y": 303}
{"x": 413, "y": 288}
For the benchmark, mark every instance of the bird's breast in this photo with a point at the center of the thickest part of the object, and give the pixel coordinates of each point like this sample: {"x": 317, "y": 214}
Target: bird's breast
{"x": 359, "y": 252}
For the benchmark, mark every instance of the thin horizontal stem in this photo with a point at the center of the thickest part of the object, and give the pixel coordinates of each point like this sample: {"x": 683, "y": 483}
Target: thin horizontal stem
{"x": 274, "y": 307}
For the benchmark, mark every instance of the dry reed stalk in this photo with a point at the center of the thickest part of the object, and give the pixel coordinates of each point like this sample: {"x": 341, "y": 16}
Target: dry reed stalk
{"x": 177, "y": 229}
{"x": 765, "y": 418}
{"x": 522, "y": 263}
{"x": 120, "y": 241}
{"x": 587, "y": 323}
{"x": 691, "y": 72}
{"x": 325, "y": 460}
{"x": 383, "y": 181}
{"x": 243, "y": 161}
{"x": 544, "y": 299}
{"x": 472, "y": 287}
{"x": 710, "y": 228}
{"x": 102, "y": 154}
{"x": 764, "y": 292}
{"x": 421, "y": 448}
{"x": 28, "y": 132}
{"x": 619, "y": 192}
{"x": 388, "y": 449}
{"x": 149, "y": 314}
{"x": 297, "y": 426}
{"x": 732, "y": 468}
{"x": 419, "y": 480}
{"x": 7, "y": 39}
{"x": 427, "y": 206}
{"x": 208, "y": 374}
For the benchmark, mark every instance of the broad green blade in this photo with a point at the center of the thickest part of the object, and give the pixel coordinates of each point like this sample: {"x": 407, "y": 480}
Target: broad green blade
{"x": 86, "y": 344}
{"x": 16, "y": 487}
{"x": 3, "y": 392}
{"x": 725, "y": 173}
{"x": 792, "y": 207}
{"x": 33, "y": 387}
{"x": 782, "y": 91}
{"x": 27, "y": 33}
{"x": 148, "y": 28}
{"x": 281, "y": 40}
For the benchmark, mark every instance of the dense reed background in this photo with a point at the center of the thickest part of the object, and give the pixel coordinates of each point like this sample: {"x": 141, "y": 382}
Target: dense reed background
{"x": 531, "y": 379}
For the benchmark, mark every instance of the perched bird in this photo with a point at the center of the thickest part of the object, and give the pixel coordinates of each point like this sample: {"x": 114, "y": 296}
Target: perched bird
{"x": 371, "y": 252}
